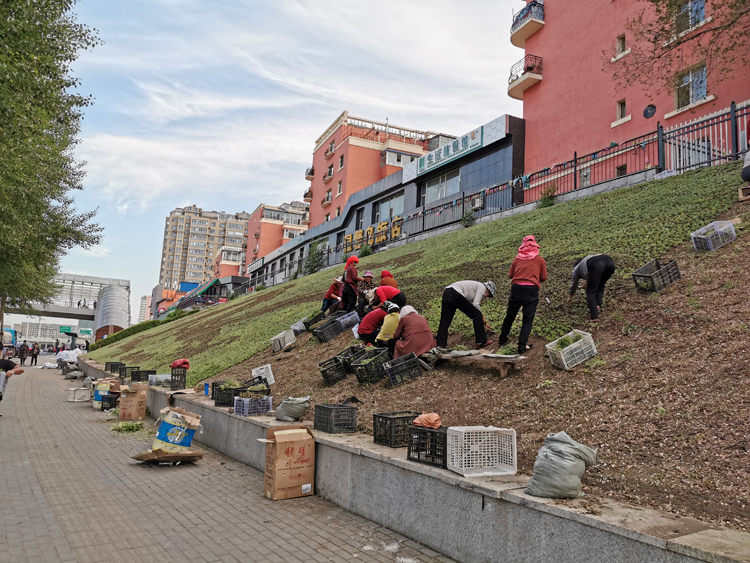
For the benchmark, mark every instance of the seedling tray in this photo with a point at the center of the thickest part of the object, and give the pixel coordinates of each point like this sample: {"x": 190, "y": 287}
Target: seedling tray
{"x": 252, "y": 407}
{"x": 478, "y": 451}
{"x": 655, "y": 277}
{"x": 141, "y": 375}
{"x": 350, "y": 355}
{"x": 178, "y": 379}
{"x": 328, "y": 330}
{"x": 348, "y": 320}
{"x": 402, "y": 369}
{"x": 574, "y": 354}
{"x": 369, "y": 367}
{"x": 428, "y": 445}
{"x": 392, "y": 428}
{"x": 714, "y": 235}
{"x": 335, "y": 418}
{"x": 313, "y": 320}
{"x": 332, "y": 370}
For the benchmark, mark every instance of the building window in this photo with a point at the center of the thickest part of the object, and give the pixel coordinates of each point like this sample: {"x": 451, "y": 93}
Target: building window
{"x": 338, "y": 211}
{"x": 339, "y": 239}
{"x": 330, "y": 170}
{"x": 691, "y": 86}
{"x": 359, "y": 222}
{"x": 622, "y": 111}
{"x": 621, "y": 170}
{"x": 332, "y": 146}
{"x": 341, "y": 162}
{"x": 621, "y": 48}
{"x": 387, "y": 209}
{"x": 338, "y": 188}
{"x": 693, "y": 12}
{"x": 289, "y": 233}
{"x": 328, "y": 217}
{"x": 440, "y": 187}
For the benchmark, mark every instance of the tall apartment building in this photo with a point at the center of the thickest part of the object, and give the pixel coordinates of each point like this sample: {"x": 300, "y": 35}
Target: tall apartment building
{"x": 192, "y": 238}
{"x": 145, "y": 312}
{"x": 270, "y": 227}
{"x": 570, "y": 102}
{"x": 354, "y": 153}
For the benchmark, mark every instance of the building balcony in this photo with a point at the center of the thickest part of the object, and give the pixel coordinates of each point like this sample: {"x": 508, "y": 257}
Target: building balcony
{"x": 329, "y": 153}
{"x": 327, "y": 177}
{"x": 526, "y": 23}
{"x": 257, "y": 234}
{"x": 309, "y": 173}
{"x": 326, "y": 201}
{"x": 306, "y": 219}
{"x": 523, "y": 75}
{"x": 308, "y": 196}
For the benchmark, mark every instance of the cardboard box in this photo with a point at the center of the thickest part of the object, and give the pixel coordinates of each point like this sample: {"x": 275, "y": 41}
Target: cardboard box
{"x": 133, "y": 401}
{"x": 290, "y": 462}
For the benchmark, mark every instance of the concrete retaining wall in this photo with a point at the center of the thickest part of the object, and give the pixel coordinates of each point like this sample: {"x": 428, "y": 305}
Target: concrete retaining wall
{"x": 474, "y": 520}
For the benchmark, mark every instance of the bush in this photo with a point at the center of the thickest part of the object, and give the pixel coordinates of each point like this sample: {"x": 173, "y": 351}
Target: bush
{"x": 260, "y": 287}
{"x": 548, "y": 196}
{"x": 366, "y": 250}
{"x": 468, "y": 219}
{"x": 314, "y": 260}
{"x": 116, "y": 337}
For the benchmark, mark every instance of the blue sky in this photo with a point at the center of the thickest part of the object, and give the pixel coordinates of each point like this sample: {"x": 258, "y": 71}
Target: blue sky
{"x": 219, "y": 104}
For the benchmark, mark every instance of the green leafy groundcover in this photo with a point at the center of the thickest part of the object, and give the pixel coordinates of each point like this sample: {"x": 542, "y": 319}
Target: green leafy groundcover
{"x": 633, "y": 225}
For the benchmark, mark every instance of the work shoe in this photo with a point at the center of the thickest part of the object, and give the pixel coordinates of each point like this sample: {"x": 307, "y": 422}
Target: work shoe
{"x": 485, "y": 344}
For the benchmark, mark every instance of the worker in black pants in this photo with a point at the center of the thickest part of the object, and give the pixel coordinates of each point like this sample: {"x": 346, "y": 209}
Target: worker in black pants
{"x": 596, "y": 269}
{"x": 465, "y": 296}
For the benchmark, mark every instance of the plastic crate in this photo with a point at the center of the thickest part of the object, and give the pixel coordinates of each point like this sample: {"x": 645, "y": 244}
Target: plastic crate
{"x": 107, "y": 366}
{"x": 477, "y": 451}
{"x": 125, "y": 371}
{"x": 350, "y": 355}
{"x": 428, "y": 445}
{"x": 214, "y": 386}
{"x": 348, "y": 320}
{"x": 328, "y": 330}
{"x": 402, "y": 369}
{"x": 109, "y": 401}
{"x": 575, "y": 353}
{"x": 178, "y": 379}
{"x": 114, "y": 367}
{"x": 655, "y": 277}
{"x": 332, "y": 370}
{"x": 252, "y": 407}
{"x": 282, "y": 340}
{"x": 298, "y": 328}
{"x": 369, "y": 367}
{"x": 312, "y": 321}
{"x": 141, "y": 375}
{"x": 714, "y": 235}
{"x": 392, "y": 428}
{"x": 335, "y": 418}
{"x": 76, "y": 395}
{"x": 225, "y": 397}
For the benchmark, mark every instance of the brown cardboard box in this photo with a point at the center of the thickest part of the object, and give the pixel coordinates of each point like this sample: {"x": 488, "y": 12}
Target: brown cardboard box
{"x": 133, "y": 400}
{"x": 290, "y": 462}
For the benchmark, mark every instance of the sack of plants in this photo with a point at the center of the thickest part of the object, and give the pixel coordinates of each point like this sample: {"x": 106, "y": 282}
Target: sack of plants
{"x": 559, "y": 466}
{"x": 292, "y": 409}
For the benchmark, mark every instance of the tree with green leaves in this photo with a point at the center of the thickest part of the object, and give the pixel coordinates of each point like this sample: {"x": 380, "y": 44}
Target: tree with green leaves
{"x": 315, "y": 257}
{"x": 40, "y": 114}
{"x": 669, "y": 37}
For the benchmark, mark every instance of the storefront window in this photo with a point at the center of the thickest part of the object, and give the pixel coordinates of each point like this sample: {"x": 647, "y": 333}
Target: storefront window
{"x": 440, "y": 187}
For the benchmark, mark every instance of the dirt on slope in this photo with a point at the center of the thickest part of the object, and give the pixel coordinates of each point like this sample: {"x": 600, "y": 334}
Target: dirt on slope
{"x": 665, "y": 402}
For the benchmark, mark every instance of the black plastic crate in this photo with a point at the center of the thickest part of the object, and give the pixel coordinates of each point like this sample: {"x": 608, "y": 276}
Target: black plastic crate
{"x": 125, "y": 371}
{"x": 369, "y": 367}
{"x": 428, "y": 445}
{"x": 335, "y": 418}
{"x": 214, "y": 387}
{"x": 107, "y": 366}
{"x": 178, "y": 379}
{"x": 392, "y": 428}
{"x": 402, "y": 369}
{"x": 328, "y": 330}
{"x": 350, "y": 355}
{"x": 348, "y": 320}
{"x": 114, "y": 367}
{"x": 314, "y": 320}
{"x": 109, "y": 401}
{"x": 655, "y": 277}
{"x": 225, "y": 397}
{"x": 332, "y": 370}
{"x": 141, "y": 375}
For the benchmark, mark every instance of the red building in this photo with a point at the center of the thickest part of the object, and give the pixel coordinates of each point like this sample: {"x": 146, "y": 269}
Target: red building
{"x": 354, "y": 153}
{"x": 570, "y": 102}
{"x": 269, "y": 227}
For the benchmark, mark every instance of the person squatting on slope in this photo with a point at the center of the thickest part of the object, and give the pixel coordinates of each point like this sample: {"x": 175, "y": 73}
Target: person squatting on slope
{"x": 333, "y": 295}
{"x": 369, "y": 327}
{"x": 386, "y": 278}
{"x": 365, "y": 284}
{"x": 527, "y": 272}
{"x": 387, "y": 293}
{"x": 596, "y": 269}
{"x": 413, "y": 334}
{"x": 465, "y": 296}
{"x": 385, "y": 337}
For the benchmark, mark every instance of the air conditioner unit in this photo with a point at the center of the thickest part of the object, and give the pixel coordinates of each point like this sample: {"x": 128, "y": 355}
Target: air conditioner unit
{"x": 477, "y": 204}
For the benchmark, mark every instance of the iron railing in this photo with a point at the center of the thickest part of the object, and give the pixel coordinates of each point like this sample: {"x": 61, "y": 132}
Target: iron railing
{"x": 327, "y": 176}
{"x": 528, "y": 64}
{"x": 309, "y": 172}
{"x": 533, "y": 10}
{"x": 308, "y": 195}
{"x": 326, "y": 199}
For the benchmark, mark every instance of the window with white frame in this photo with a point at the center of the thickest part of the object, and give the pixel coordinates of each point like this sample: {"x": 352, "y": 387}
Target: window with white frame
{"x": 338, "y": 188}
{"x": 691, "y": 86}
{"x": 199, "y": 222}
{"x": 232, "y": 241}
{"x": 622, "y": 111}
{"x": 440, "y": 187}
{"x": 198, "y": 244}
{"x": 692, "y": 13}
{"x": 387, "y": 209}
{"x": 341, "y": 162}
{"x": 289, "y": 233}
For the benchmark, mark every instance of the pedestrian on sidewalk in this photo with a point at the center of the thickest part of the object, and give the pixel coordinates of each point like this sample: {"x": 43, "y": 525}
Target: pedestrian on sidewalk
{"x": 596, "y": 269}
{"x": 35, "y": 350}
{"x": 10, "y": 368}
{"x": 23, "y": 352}
{"x": 527, "y": 272}
{"x": 465, "y": 296}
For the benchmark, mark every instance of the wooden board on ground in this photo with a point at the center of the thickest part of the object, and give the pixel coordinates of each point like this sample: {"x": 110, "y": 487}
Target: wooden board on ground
{"x": 501, "y": 362}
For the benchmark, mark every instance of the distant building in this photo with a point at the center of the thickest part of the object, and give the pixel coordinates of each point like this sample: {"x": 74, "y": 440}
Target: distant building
{"x": 162, "y": 299}
{"x": 570, "y": 104}
{"x": 112, "y": 311}
{"x": 270, "y": 227}
{"x": 354, "y": 153}
{"x": 145, "y": 311}
{"x": 44, "y": 334}
{"x": 192, "y": 238}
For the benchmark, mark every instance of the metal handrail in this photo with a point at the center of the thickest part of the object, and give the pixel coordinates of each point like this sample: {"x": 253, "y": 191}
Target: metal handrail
{"x": 533, "y": 10}
{"x": 310, "y": 171}
{"x": 528, "y": 64}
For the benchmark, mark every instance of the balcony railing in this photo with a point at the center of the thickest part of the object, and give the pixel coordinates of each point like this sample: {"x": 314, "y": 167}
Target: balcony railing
{"x": 309, "y": 173}
{"x": 327, "y": 177}
{"x": 326, "y": 201}
{"x": 526, "y": 23}
{"x": 308, "y": 196}
{"x": 524, "y": 74}
{"x": 257, "y": 234}
{"x": 329, "y": 153}
{"x": 306, "y": 219}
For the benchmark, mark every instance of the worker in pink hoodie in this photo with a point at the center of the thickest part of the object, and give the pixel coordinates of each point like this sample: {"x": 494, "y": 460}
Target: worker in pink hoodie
{"x": 528, "y": 271}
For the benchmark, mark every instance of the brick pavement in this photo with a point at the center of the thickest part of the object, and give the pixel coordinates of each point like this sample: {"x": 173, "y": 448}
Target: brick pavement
{"x": 69, "y": 491}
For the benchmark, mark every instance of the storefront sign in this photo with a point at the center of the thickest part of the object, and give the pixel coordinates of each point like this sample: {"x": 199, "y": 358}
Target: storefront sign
{"x": 257, "y": 265}
{"x": 452, "y": 150}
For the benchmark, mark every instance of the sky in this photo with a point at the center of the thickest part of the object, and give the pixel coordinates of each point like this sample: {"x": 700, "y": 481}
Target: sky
{"x": 218, "y": 104}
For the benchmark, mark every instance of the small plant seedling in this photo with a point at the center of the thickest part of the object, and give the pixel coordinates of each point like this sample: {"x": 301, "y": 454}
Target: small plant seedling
{"x": 546, "y": 383}
{"x": 127, "y": 426}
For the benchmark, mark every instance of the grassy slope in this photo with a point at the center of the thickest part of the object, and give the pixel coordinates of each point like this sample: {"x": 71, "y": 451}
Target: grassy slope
{"x": 632, "y": 225}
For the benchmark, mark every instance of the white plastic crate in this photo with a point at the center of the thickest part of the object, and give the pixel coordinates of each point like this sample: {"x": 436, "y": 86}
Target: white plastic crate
{"x": 477, "y": 451}
{"x": 298, "y": 328}
{"x": 576, "y": 353}
{"x": 251, "y": 407}
{"x": 713, "y": 236}
{"x": 76, "y": 395}
{"x": 282, "y": 340}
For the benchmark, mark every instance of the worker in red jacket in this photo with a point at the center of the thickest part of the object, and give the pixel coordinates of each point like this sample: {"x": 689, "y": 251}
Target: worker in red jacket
{"x": 369, "y": 327}
{"x": 333, "y": 295}
{"x": 386, "y": 278}
{"x": 387, "y": 293}
{"x": 351, "y": 279}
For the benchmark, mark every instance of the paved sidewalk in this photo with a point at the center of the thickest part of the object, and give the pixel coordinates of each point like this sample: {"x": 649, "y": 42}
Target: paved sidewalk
{"x": 70, "y": 492}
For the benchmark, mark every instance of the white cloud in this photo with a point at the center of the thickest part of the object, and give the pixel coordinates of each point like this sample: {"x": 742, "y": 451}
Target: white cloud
{"x": 98, "y": 251}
